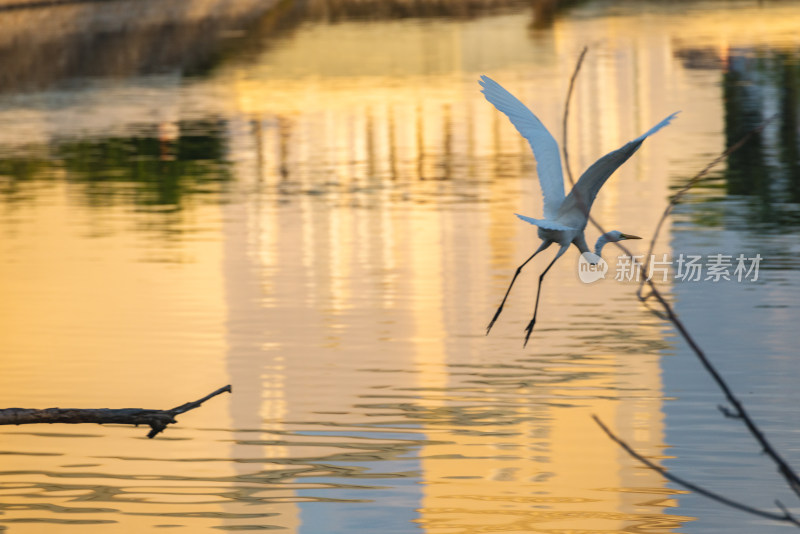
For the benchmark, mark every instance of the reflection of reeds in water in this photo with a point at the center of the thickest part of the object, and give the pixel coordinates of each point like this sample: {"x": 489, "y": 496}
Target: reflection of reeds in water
{"x": 758, "y": 83}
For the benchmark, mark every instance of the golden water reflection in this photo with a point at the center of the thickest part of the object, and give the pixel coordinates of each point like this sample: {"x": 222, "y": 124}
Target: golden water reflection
{"x": 339, "y": 271}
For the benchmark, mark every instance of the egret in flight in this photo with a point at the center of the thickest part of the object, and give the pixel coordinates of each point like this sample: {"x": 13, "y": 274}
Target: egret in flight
{"x": 564, "y": 217}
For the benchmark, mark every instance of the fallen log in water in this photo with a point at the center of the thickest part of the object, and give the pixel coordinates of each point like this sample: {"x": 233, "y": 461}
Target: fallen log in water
{"x": 156, "y": 419}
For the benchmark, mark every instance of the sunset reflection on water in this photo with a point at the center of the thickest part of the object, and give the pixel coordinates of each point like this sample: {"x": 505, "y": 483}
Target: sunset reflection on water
{"x": 325, "y": 220}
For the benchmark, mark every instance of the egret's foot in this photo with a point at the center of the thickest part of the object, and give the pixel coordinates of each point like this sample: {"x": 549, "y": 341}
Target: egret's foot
{"x": 491, "y": 323}
{"x": 528, "y": 330}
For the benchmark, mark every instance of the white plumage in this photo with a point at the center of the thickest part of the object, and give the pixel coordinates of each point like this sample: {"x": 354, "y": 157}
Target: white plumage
{"x": 565, "y": 218}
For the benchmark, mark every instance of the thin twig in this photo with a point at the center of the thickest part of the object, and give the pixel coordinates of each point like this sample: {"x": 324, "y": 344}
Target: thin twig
{"x": 739, "y": 411}
{"x": 183, "y": 408}
{"x": 565, "y": 145}
{"x": 785, "y": 517}
{"x": 566, "y": 113}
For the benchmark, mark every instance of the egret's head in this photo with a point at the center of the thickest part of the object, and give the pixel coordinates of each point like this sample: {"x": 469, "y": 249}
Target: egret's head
{"x": 611, "y": 237}
{"x": 615, "y": 235}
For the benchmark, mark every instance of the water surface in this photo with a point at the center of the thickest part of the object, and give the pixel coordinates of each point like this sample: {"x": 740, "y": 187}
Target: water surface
{"x": 321, "y": 215}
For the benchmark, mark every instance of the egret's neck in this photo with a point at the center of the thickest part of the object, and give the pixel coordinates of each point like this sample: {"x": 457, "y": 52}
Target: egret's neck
{"x": 580, "y": 242}
{"x": 601, "y": 242}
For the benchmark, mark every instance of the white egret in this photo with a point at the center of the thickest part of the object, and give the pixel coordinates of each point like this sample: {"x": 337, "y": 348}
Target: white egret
{"x": 565, "y": 218}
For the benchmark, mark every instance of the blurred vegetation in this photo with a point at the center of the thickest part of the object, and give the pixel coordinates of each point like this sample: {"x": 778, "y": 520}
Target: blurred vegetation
{"x": 757, "y": 84}
{"x": 142, "y": 170}
{"x": 335, "y": 10}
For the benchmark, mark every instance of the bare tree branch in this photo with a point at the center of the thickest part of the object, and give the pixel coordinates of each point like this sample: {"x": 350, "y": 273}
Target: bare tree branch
{"x": 156, "y": 419}
{"x": 738, "y": 411}
{"x": 785, "y": 516}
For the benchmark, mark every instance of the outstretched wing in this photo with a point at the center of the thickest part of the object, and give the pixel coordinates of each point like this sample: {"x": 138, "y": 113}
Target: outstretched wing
{"x": 583, "y": 194}
{"x": 544, "y": 146}
{"x": 542, "y": 223}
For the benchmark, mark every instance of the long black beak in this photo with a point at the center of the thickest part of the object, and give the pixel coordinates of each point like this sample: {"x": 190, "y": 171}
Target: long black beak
{"x": 629, "y": 236}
